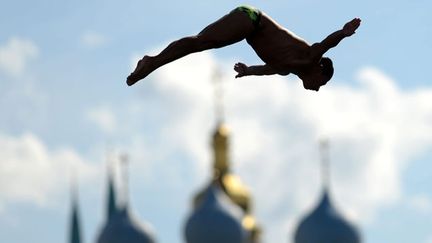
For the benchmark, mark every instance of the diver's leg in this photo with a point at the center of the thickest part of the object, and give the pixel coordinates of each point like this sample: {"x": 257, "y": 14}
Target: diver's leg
{"x": 228, "y": 30}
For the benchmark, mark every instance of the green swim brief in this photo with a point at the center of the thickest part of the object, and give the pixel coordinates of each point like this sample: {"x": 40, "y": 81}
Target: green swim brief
{"x": 253, "y": 13}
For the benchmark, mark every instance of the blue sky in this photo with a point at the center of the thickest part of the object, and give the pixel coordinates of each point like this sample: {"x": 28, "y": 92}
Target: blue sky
{"x": 64, "y": 101}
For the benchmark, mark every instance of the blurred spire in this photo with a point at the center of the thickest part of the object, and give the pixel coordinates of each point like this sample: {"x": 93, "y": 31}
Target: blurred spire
{"x": 220, "y": 145}
{"x": 111, "y": 197}
{"x": 221, "y": 133}
{"x": 124, "y": 160}
{"x": 218, "y": 94}
{"x": 74, "y": 186}
{"x": 325, "y": 163}
{"x": 75, "y": 229}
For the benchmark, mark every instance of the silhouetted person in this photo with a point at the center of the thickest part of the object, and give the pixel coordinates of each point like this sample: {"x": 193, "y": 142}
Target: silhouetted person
{"x": 282, "y": 51}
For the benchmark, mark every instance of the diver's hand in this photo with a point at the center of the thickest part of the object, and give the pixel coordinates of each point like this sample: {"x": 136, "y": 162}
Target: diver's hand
{"x": 350, "y": 27}
{"x": 241, "y": 69}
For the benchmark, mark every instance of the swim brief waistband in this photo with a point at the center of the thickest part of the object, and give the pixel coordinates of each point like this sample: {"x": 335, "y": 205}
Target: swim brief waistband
{"x": 253, "y": 13}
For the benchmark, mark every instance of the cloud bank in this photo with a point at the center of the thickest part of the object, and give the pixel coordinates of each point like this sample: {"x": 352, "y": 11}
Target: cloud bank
{"x": 33, "y": 174}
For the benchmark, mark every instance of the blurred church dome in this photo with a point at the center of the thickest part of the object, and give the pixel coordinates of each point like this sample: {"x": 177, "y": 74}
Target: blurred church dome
{"x": 215, "y": 220}
{"x": 230, "y": 184}
{"x": 121, "y": 226}
{"x": 326, "y": 225}
{"x": 124, "y": 228}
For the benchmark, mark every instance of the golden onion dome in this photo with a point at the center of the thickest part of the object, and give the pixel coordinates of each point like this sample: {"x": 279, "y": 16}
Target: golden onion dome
{"x": 230, "y": 183}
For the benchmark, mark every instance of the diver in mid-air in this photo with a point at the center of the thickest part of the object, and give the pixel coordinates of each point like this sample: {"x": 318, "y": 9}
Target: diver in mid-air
{"x": 281, "y": 50}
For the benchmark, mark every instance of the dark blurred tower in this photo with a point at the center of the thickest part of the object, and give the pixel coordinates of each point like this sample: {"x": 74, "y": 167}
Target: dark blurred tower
{"x": 325, "y": 224}
{"x": 75, "y": 226}
{"x": 111, "y": 208}
{"x": 121, "y": 225}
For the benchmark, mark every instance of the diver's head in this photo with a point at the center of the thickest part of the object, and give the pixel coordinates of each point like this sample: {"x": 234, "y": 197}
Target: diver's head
{"x": 317, "y": 75}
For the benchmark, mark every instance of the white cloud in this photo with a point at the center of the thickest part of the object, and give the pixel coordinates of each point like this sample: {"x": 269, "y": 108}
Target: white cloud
{"x": 31, "y": 173}
{"x": 93, "y": 40}
{"x": 15, "y": 54}
{"x": 374, "y": 131}
{"x": 102, "y": 117}
{"x": 421, "y": 203}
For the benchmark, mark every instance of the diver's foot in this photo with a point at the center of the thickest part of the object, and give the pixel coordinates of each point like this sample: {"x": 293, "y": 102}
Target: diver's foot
{"x": 141, "y": 71}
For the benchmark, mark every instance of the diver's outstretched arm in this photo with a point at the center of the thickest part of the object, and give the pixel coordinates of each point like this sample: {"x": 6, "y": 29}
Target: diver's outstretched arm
{"x": 318, "y": 49}
{"x": 244, "y": 70}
